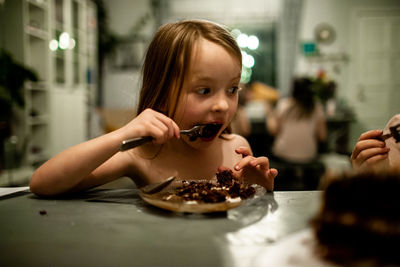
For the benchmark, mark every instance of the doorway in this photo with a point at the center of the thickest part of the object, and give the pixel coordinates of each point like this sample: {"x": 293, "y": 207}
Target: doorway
{"x": 375, "y": 84}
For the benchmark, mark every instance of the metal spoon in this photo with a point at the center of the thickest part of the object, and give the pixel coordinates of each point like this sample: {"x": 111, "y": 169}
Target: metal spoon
{"x": 394, "y": 132}
{"x": 157, "y": 187}
{"x": 204, "y": 131}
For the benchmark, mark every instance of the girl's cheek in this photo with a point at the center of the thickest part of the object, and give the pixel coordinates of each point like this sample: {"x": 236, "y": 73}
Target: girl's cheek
{"x": 180, "y": 110}
{"x": 233, "y": 109}
{"x": 186, "y": 115}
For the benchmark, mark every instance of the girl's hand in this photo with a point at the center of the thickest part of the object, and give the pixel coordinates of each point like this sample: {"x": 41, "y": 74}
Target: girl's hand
{"x": 369, "y": 150}
{"x": 154, "y": 124}
{"x": 253, "y": 170}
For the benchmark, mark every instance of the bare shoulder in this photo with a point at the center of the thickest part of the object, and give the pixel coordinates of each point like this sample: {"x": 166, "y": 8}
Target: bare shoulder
{"x": 236, "y": 140}
{"x": 231, "y": 143}
{"x": 139, "y": 166}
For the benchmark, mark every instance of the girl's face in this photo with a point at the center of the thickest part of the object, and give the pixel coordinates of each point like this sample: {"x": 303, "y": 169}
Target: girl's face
{"x": 210, "y": 91}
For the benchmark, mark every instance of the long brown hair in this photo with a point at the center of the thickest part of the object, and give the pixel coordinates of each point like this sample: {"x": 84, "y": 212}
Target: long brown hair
{"x": 303, "y": 96}
{"x": 168, "y": 59}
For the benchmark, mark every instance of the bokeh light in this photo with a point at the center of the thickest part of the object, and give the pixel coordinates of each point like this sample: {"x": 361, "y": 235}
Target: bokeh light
{"x": 64, "y": 40}
{"x": 247, "y": 60}
{"x": 242, "y": 40}
{"x": 246, "y": 75}
{"x": 247, "y": 44}
{"x": 72, "y": 43}
{"x": 253, "y": 42}
{"x": 53, "y": 45}
{"x": 235, "y": 33}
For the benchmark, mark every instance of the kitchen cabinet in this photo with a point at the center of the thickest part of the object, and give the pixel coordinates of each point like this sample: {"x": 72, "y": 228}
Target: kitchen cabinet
{"x": 57, "y": 39}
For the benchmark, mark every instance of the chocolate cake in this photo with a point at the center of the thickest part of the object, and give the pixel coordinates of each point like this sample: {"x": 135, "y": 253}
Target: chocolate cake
{"x": 226, "y": 187}
{"x": 359, "y": 220}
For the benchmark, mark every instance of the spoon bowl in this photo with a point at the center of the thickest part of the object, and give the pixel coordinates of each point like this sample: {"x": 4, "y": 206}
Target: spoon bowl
{"x": 202, "y": 131}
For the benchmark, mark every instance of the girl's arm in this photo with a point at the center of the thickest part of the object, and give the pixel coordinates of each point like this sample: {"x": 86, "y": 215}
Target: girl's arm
{"x": 65, "y": 171}
{"x": 275, "y": 115}
{"x": 321, "y": 131}
{"x": 99, "y": 161}
{"x": 272, "y": 123}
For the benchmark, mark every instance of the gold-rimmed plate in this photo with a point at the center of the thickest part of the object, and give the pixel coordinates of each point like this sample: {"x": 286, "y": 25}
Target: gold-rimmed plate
{"x": 167, "y": 200}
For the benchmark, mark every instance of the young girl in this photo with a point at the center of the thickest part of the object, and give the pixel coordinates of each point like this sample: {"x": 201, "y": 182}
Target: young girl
{"x": 191, "y": 75}
{"x": 298, "y": 124}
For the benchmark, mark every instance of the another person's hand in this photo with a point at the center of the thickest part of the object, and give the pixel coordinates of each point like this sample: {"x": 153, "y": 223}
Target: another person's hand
{"x": 151, "y": 123}
{"x": 252, "y": 170}
{"x": 369, "y": 150}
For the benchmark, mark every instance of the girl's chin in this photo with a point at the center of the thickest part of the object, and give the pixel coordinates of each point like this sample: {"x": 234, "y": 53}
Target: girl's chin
{"x": 200, "y": 143}
{"x": 209, "y": 139}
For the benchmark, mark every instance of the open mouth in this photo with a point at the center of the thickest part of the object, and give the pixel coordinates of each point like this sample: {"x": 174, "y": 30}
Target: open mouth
{"x": 206, "y": 131}
{"x": 210, "y": 130}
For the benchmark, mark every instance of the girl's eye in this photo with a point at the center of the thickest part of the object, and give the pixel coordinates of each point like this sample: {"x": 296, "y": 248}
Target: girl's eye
{"x": 204, "y": 91}
{"x": 233, "y": 90}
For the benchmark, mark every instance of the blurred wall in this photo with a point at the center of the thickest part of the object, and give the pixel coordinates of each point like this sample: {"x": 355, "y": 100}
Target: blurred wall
{"x": 338, "y": 14}
{"x": 121, "y": 86}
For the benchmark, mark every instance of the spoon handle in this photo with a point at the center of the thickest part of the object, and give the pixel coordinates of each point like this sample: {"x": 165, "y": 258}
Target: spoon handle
{"x": 157, "y": 187}
{"x": 134, "y": 142}
{"x": 131, "y": 143}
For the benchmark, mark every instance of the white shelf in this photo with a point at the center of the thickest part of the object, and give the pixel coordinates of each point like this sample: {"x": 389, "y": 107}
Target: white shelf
{"x": 37, "y": 86}
{"x": 56, "y": 104}
{"x": 36, "y": 32}
{"x": 39, "y": 3}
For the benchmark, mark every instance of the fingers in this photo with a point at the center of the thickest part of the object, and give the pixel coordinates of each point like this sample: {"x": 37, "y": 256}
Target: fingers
{"x": 369, "y": 146}
{"x": 256, "y": 171}
{"x": 369, "y": 149}
{"x": 272, "y": 173}
{"x": 166, "y": 125}
{"x": 369, "y": 157}
{"x": 372, "y": 134}
{"x": 372, "y": 161}
{"x": 253, "y": 170}
{"x": 157, "y": 125}
{"x": 172, "y": 127}
{"x": 260, "y": 162}
{"x": 242, "y": 163}
{"x": 244, "y": 151}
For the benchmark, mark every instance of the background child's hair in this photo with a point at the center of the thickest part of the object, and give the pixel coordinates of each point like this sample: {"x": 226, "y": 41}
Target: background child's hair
{"x": 168, "y": 59}
{"x": 303, "y": 94}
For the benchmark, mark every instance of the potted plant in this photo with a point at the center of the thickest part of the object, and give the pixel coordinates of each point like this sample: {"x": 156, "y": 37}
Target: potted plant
{"x": 12, "y": 78}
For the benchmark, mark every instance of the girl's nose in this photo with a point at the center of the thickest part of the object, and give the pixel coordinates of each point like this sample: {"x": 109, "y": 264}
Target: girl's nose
{"x": 220, "y": 104}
